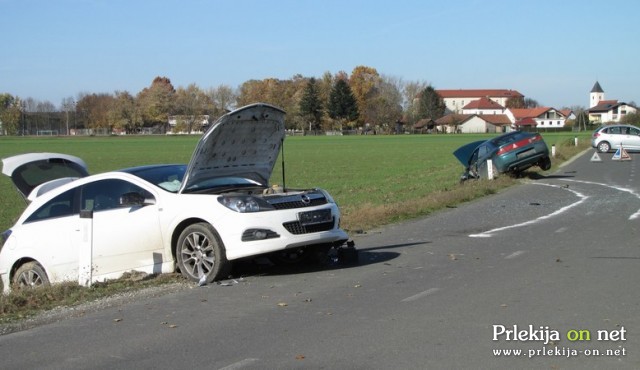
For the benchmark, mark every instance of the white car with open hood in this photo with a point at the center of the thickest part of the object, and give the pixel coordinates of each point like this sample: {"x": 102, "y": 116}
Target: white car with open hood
{"x": 193, "y": 218}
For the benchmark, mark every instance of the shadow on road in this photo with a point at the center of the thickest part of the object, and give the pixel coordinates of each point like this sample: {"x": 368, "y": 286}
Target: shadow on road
{"x": 265, "y": 266}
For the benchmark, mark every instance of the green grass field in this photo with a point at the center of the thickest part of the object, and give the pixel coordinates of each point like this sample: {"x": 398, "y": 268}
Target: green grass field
{"x": 361, "y": 172}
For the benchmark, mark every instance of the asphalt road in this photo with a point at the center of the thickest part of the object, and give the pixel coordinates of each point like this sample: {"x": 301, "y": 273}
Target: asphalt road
{"x": 557, "y": 257}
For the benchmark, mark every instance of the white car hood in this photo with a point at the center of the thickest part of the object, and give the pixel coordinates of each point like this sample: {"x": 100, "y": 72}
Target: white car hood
{"x": 244, "y": 143}
{"x": 34, "y": 174}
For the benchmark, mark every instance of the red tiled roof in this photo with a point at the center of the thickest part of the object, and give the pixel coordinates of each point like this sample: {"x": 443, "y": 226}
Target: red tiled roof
{"x": 483, "y": 103}
{"x": 527, "y": 121}
{"x": 604, "y": 105}
{"x": 566, "y": 112}
{"x": 423, "y": 122}
{"x": 478, "y": 93}
{"x": 496, "y": 119}
{"x": 520, "y": 113}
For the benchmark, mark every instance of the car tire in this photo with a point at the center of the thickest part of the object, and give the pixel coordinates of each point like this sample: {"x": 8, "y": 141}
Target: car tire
{"x": 604, "y": 147}
{"x": 30, "y": 275}
{"x": 200, "y": 254}
{"x": 545, "y": 163}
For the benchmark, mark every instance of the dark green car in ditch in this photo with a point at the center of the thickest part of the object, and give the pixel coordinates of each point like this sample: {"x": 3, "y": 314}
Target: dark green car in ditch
{"x": 511, "y": 153}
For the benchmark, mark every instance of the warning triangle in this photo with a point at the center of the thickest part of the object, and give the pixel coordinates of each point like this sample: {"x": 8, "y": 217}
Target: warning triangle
{"x": 595, "y": 157}
{"x": 621, "y": 155}
{"x": 624, "y": 156}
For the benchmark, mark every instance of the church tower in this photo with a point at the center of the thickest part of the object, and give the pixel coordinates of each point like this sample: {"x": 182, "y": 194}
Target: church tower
{"x": 596, "y": 95}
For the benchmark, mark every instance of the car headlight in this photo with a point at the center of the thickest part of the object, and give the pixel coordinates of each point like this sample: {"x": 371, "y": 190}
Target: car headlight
{"x": 245, "y": 203}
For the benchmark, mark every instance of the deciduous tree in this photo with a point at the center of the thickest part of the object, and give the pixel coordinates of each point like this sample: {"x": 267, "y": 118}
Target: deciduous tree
{"x": 125, "y": 114}
{"x": 385, "y": 107}
{"x": 96, "y": 109}
{"x": 9, "y": 114}
{"x": 411, "y": 93}
{"x": 223, "y": 98}
{"x": 156, "y": 102}
{"x": 191, "y": 105}
{"x": 364, "y": 83}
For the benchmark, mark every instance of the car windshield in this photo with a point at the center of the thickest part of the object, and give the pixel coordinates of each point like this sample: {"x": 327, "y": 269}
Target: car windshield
{"x": 169, "y": 178}
{"x": 222, "y": 184}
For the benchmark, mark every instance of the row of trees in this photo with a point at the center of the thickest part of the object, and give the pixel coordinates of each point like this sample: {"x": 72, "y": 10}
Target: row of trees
{"x": 333, "y": 101}
{"x": 363, "y": 99}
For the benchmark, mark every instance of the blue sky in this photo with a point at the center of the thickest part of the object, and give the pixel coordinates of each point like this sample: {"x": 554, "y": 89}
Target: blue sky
{"x": 551, "y": 51}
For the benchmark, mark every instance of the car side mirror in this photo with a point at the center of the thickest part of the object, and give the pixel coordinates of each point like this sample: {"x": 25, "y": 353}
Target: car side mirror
{"x": 135, "y": 199}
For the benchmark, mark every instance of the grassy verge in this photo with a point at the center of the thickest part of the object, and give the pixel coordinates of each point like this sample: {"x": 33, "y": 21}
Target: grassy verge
{"x": 376, "y": 181}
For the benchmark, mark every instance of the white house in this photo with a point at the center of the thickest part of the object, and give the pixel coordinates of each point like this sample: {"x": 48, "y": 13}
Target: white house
{"x": 602, "y": 111}
{"x": 544, "y": 117}
{"x": 473, "y": 123}
{"x": 456, "y": 100}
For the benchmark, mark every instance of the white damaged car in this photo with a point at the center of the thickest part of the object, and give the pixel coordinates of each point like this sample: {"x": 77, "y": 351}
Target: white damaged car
{"x": 193, "y": 218}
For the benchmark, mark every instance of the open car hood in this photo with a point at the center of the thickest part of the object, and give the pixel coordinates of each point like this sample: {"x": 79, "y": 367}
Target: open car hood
{"x": 465, "y": 152}
{"x": 243, "y": 143}
{"x": 44, "y": 171}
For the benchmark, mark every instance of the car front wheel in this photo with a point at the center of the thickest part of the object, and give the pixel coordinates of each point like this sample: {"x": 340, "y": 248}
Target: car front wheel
{"x": 30, "y": 275}
{"x": 604, "y": 147}
{"x": 200, "y": 254}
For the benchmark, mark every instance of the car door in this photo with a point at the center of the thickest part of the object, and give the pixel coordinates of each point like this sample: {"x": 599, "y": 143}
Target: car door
{"x": 632, "y": 138}
{"x": 48, "y": 235}
{"x": 615, "y": 136}
{"x": 483, "y": 154}
{"x": 125, "y": 237}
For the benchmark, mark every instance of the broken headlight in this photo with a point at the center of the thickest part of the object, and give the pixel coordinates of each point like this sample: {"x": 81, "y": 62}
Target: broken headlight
{"x": 245, "y": 203}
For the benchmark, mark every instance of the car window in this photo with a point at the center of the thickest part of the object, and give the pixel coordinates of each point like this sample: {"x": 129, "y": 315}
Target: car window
{"x": 104, "y": 195}
{"x": 221, "y": 182}
{"x": 474, "y": 157}
{"x": 168, "y": 178}
{"x": 614, "y": 130}
{"x": 483, "y": 150}
{"x": 634, "y": 131}
{"x": 60, "y": 206}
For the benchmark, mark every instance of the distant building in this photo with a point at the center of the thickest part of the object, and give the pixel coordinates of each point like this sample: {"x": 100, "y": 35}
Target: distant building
{"x": 182, "y": 123}
{"x": 456, "y": 100}
{"x": 543, "y": 117}
{"x": 603, "y": 111}
{"x": 473, "y": 123}
{"x": 483, "y": 106}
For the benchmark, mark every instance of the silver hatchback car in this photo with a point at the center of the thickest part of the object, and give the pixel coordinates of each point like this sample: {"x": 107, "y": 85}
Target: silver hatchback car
{"x": 611, "y": 137}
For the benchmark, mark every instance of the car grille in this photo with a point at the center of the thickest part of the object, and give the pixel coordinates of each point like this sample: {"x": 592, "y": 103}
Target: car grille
{"x": 299, "y": 204}
{"x": 296, "y": 228}
{"x": 296, "y": 201}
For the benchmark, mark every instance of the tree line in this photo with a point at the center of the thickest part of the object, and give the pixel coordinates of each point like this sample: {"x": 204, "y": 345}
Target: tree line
{"x": 362, "y": 100}
{"x": 337, "y": 101}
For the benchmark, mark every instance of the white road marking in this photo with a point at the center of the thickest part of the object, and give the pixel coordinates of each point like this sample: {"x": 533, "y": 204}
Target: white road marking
{"x": 562, "y": 229}
{"x": 421, "y": 295}
{"x": 514, "y": 255}
{"x": 488, "y": 234}
{"x": 625, "y": 190}
{"x": 240, "y": 364}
